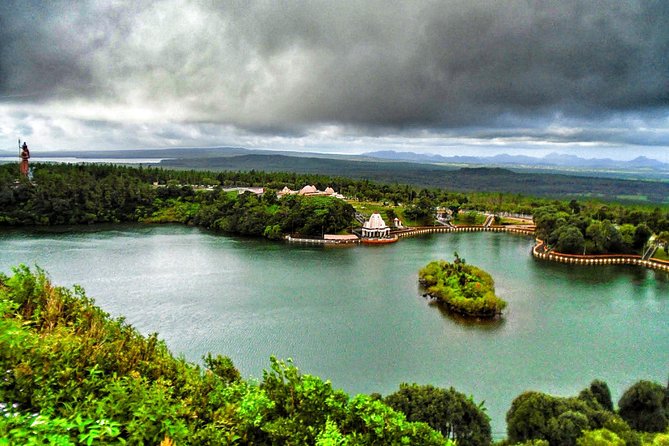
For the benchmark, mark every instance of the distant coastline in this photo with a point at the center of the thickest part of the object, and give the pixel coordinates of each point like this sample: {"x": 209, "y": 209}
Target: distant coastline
{"x": 77, "y": 160}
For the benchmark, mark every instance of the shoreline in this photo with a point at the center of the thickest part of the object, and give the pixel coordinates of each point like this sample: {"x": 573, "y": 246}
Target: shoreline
{"x": 538, "y": 251}
{"x": 470, "y": 317}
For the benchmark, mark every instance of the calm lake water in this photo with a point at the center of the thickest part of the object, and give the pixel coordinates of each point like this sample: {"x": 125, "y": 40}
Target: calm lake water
{"x": 356, "y": 315}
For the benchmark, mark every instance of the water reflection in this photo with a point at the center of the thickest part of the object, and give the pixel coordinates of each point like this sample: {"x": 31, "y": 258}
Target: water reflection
{"x": 662, "y": 280}
{"x": 496, "y": 245}
{"x": 468, "y": 323}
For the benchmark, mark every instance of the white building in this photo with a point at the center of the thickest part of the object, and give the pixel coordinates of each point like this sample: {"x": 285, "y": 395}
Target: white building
{"x": 308, "y": 190}
{"x": 375, "y": 227}
{"x": 311, "y": 191}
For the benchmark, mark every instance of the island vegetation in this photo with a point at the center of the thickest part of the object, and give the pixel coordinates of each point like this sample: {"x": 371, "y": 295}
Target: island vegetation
{"x": 461, "y": 288}
{"x": 74, "y": 375}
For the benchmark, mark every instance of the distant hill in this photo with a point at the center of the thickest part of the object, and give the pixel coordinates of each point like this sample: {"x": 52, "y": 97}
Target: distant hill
{"x": 550, "y": 160}
{"x": 183, "y": 152}
{"x": 642, "y": 179}
{"x": 204, "y": 152}
{"x": 487, "y": 179}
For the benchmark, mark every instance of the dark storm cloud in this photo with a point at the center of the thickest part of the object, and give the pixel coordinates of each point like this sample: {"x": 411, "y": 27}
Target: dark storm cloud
{"x": 41, "y": 52}
{"x": 274, "y": 66}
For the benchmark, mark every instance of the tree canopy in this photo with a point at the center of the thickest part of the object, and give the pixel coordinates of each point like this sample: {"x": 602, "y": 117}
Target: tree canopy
{"x": 588, "y": 419}
{"x": 645, "y": 407}
{"x": 62, "y": 194}
{"x": 450, "y": 412}
{"x": 588, "y": 230}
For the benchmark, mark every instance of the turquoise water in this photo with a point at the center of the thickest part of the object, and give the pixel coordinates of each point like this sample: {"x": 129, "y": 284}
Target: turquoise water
{"x": 356, "y": 316}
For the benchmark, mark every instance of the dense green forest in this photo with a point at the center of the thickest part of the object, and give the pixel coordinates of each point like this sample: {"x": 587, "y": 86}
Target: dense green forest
{"x": 65, "y": 194}
{"x": 462, "y": 288}
{"x": 394, "y": 191}
{"x": 572, "y": 228}
{"x": 73, "y": 375}
{"x": 85, "y": 194}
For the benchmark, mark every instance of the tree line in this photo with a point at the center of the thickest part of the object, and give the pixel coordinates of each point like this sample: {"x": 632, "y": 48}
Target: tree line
{"x": 572, "y": 228}
{"x": 467, "y": 180}
{"x": 87, "y": 194}
{"x": 74, "y": 375}
{"x": 589, "y": 419}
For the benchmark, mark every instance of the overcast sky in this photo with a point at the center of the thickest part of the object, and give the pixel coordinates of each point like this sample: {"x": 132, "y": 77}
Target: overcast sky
{"x": 451, "y": 77}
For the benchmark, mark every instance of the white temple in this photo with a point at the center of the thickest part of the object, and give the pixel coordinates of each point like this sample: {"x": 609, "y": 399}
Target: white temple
{"x": 310, "y": 191}
{"x": 375, "y": 227}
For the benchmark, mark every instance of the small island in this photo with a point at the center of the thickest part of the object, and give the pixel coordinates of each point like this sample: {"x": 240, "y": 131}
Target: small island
{"x": 461, "y": 288}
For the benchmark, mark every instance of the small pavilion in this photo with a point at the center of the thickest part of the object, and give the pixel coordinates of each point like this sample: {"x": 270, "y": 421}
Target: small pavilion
{"x": 444, "y": 214}
{"x": 308, "y": 190}
{"x": 375, "y": 227}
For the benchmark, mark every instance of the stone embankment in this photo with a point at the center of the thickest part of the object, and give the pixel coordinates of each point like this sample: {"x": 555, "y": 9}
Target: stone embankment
{"x": 539, "y": 251}
{"x": 421, "y": 230}
{"x": 322, "y": 241}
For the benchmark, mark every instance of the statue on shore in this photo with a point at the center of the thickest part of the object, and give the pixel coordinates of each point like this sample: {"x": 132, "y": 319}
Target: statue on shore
{"x": 25, "y": 156}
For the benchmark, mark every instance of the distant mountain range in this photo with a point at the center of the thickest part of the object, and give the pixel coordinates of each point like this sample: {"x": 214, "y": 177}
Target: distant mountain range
{"x": 639, "y": 168}
{"x": 550, "y": 160}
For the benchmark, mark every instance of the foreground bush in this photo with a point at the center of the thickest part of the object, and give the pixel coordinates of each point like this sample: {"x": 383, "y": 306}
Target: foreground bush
{"x": 450, "y": 412}
{"x": 73, "y": 375}
{"x": 589, "y": 419}
{"x": 645, "y": 407}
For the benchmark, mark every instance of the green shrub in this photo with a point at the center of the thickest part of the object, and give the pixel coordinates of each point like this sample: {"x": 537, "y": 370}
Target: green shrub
{"x": 73, "y": 375}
